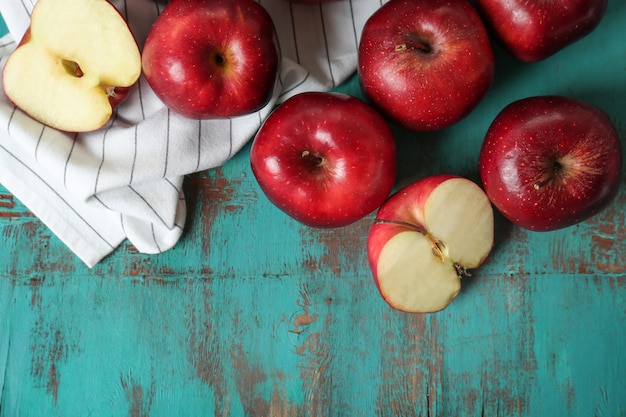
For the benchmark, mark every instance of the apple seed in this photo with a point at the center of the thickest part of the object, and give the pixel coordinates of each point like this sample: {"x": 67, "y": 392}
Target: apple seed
{"x": 439, "y": 248}
{"x": 72, "y": 68}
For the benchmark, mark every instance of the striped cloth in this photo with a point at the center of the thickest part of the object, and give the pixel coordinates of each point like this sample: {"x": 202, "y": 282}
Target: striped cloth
{"x": 124, "y": 181}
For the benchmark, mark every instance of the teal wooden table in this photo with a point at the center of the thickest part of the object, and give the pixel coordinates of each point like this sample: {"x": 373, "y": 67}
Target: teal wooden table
{"x": 252, "y": 314}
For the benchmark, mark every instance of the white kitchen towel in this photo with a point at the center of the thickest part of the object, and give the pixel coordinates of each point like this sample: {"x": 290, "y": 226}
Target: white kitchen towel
{"x": 124, "y": 181}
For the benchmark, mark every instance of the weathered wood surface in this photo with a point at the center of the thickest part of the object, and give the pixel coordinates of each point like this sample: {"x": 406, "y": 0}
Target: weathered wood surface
{"x": 252, "y": 314}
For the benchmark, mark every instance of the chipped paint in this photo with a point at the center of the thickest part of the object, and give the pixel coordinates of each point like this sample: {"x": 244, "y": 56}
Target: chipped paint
{"x": 254, "y": 314}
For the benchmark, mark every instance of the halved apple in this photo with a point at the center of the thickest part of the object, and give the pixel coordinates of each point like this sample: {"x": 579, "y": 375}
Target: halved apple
{"x": 426, "y": 238}
{"x": 75, "y": 63}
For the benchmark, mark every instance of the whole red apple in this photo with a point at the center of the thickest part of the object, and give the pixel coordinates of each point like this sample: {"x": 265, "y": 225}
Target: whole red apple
{"x": 426, "y": 238}
{"x": 549, "y": 162}
{"x": 212, "y": 58}
{"x": 325, "y": 159}
{"x": 534, "y": 30}
{"x": 425, "y": 63}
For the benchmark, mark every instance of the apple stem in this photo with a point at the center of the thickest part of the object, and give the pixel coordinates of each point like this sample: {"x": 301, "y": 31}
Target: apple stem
{"x": 556, "y": 168}
{"x": 419, "y": 46}
{"x": 315, "y": 160}
{"x": 401, "y": 223}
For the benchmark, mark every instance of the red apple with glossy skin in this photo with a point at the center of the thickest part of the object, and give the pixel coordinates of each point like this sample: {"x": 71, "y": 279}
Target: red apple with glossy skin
{"x": 534, "y": 30}
{"x": 212, "y": 58}
{"x": 549, "y": 162}
{"x": 69, "y": 73}
{"x": 425, "y": 63}
{"x": 325, "y": 159}
{"x": 426, "y": 238}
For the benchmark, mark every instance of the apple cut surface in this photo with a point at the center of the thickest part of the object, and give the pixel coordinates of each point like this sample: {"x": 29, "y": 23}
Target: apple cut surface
{"x": 411, "y": 286}
{"x": 426, "y": 238}
{"x": 67, "y": 69}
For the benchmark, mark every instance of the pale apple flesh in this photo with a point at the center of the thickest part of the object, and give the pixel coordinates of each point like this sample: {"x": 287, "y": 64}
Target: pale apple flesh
{"x": 426, "y": 238}
{"x": 75, "y": 59}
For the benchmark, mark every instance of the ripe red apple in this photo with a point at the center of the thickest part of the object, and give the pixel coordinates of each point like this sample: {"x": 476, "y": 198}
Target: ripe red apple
{"x": 325, "y": 159}
{"x": 74, "y": 65}
{"x": 550, "y": 162}
{"x": 425, "y": 63}
{"x": 426, "y": 238}
{"x": 212, "y": 58}
{"x": 535, "y": 30}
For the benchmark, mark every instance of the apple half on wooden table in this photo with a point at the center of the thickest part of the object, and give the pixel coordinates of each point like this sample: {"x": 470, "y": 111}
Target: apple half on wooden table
{"x": 74, "y": 65}
{"x": 426, "y": 238}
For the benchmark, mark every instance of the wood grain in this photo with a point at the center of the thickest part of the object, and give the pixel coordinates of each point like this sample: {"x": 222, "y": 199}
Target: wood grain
{"x": 252, "y": 314}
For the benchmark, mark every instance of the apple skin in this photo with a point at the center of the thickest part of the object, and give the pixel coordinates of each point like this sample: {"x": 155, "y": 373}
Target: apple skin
{"x": 549, "y": 162}
{"x": 212, "y": 58}
{"x": 325, "y": 159}
{"x": 534, "y": 30}
{"x": 425, "y": 63}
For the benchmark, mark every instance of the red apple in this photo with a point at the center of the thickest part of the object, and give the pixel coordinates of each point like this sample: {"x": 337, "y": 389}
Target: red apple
{"x": 325, "y": 159}
{"x": 212, "y": 58}
{"x": 534, "y": 30}
{"x": 426, "y": 238}
{"x": 74, "y": 65}
{"x": 550, "y": 162}
{"x": 425, "y": 63}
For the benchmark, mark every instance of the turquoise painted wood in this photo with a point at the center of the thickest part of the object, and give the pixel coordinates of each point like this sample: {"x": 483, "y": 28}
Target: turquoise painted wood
{"x": 252, "y": 314}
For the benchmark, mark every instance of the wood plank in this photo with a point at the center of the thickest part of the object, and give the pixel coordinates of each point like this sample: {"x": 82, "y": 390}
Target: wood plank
{"x": 253, "y": 314}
